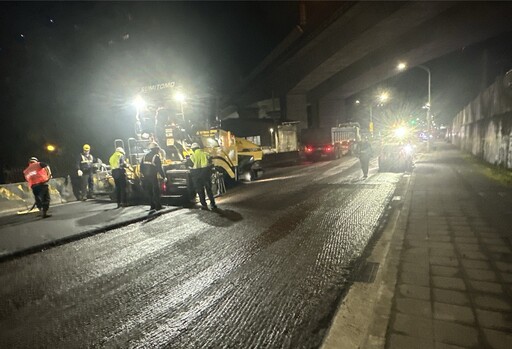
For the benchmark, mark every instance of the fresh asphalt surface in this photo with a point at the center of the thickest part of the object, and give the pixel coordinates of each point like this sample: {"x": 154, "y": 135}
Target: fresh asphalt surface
{"x": 266, "y": 271}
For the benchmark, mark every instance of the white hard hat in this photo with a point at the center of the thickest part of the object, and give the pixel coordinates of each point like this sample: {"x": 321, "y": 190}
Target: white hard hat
{"x": 195, "y": 145}
{"x": 153, "y": 145}
{"x": 120, "y": 149}
{"x": 33, "y": 159}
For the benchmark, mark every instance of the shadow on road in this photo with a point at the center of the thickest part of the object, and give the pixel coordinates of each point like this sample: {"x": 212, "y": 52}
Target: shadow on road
{"x": 231, "y": 215}
{"x": 218, "y": 217}
{"x": 17, "y": 219}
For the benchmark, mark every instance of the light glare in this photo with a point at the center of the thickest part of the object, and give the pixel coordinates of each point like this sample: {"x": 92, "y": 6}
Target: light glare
{"x": 139, "y": 102}
{"x": 180, "y": 97}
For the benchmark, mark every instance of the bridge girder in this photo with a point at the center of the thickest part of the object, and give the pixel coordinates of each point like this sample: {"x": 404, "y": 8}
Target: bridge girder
{"x": 363, "y": 44}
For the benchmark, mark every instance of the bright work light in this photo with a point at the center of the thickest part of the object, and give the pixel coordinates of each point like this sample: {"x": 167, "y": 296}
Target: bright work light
{"x": 139, "y": 102}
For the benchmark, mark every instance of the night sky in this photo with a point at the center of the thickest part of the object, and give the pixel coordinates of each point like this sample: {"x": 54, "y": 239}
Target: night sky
{"x": 69, "y": 70}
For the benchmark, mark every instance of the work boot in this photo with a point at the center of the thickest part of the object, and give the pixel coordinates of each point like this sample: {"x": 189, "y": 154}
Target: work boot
{"x": 45, "y": 214}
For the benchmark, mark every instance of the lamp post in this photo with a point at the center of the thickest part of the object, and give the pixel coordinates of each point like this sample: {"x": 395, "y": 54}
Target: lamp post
{"x": 382, "y": 98}
{"x": 402, "y": 66}
{"x": 271, "y": 137}
{"x": 139, "y": 103}
{"x": 180, "y": 97}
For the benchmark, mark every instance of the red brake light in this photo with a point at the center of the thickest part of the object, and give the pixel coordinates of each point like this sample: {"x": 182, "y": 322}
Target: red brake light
{"x": 309, "y": 149}
{"x": 328, "y": 148}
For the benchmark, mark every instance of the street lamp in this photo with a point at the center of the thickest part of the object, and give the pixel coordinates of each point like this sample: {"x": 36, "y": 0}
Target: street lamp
{"x": 50, "y": 148}
{"x": 271, "y": 137}
{"x": 402, "y": 66}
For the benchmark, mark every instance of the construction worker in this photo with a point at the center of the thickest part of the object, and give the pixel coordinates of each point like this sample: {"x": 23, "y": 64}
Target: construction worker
{"x": 37, "y": 175}
{"x": 201, "y": 174}
{"x": 85, "y": 170}
{"x": 364, "y": 152}
{"x": 118, "y": 166}
{"x": 150, "y": 167}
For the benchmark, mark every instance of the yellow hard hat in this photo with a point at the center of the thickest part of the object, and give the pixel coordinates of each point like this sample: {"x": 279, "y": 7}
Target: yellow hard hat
{"x": 87, "y": 147}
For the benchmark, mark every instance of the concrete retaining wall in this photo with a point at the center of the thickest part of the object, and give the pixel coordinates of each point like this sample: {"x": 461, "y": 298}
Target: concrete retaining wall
{"x": 484, "y": 127}
{"x": 18, "y": 196}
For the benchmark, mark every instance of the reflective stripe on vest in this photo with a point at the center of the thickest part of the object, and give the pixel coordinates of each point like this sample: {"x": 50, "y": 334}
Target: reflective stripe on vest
{"x": 86, "y": 163}
{"x": 147, "y": 162}
{"x": 35, "y": 174}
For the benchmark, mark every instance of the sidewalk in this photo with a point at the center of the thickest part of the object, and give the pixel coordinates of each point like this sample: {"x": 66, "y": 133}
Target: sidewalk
{"x": 445, "y": 276}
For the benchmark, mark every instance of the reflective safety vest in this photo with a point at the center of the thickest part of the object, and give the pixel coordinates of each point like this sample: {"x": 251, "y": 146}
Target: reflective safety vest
{"x": 115, "y": 160}
{"x": 199, "y": 158}
{"x": 148, "y": 165}
{"x": 86, "y": 162}
{"x": 35, "y": 174}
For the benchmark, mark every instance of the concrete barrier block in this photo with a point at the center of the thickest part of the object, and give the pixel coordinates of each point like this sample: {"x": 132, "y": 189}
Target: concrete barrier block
{"x": 19, "y": 196}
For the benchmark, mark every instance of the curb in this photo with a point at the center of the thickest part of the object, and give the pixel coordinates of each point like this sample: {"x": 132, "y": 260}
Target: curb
{"x": 75, "y": 237}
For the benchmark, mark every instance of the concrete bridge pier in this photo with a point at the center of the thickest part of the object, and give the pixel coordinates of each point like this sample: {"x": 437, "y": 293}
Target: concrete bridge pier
{"x": 297, "y": 108}
{"x": 327, "y": 112}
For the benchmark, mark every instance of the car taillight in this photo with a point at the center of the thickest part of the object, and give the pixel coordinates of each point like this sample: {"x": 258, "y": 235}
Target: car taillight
{"x": 328, "y": 148}
{"x": 163, "y": 187}
{"x": 309, "y": 149}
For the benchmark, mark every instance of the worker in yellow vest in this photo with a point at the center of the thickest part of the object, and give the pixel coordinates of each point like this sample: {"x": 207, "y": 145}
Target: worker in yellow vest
{"x": 117, "y": 165}
{"x": 201, "y": 174}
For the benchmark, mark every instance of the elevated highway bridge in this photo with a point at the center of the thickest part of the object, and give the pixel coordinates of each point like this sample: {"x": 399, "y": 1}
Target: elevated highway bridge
{"x": 357, "y": 46}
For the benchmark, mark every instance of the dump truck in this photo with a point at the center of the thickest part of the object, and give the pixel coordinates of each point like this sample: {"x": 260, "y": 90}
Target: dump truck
{"x": 330, "y": 143}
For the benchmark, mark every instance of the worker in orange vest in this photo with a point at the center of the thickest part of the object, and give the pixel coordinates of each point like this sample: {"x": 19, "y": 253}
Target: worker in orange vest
{"x": 37, "y": 175}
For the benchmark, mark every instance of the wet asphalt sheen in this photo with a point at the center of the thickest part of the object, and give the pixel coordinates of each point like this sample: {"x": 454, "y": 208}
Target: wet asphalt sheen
{"x": 266, "y": 271}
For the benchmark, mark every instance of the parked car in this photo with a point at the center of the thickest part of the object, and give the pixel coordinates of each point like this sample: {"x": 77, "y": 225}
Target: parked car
{"x": 396, "y": 157}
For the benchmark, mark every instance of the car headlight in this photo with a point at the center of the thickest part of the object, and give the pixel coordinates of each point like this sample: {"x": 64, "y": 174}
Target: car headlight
{"x": 408, "y": 149}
